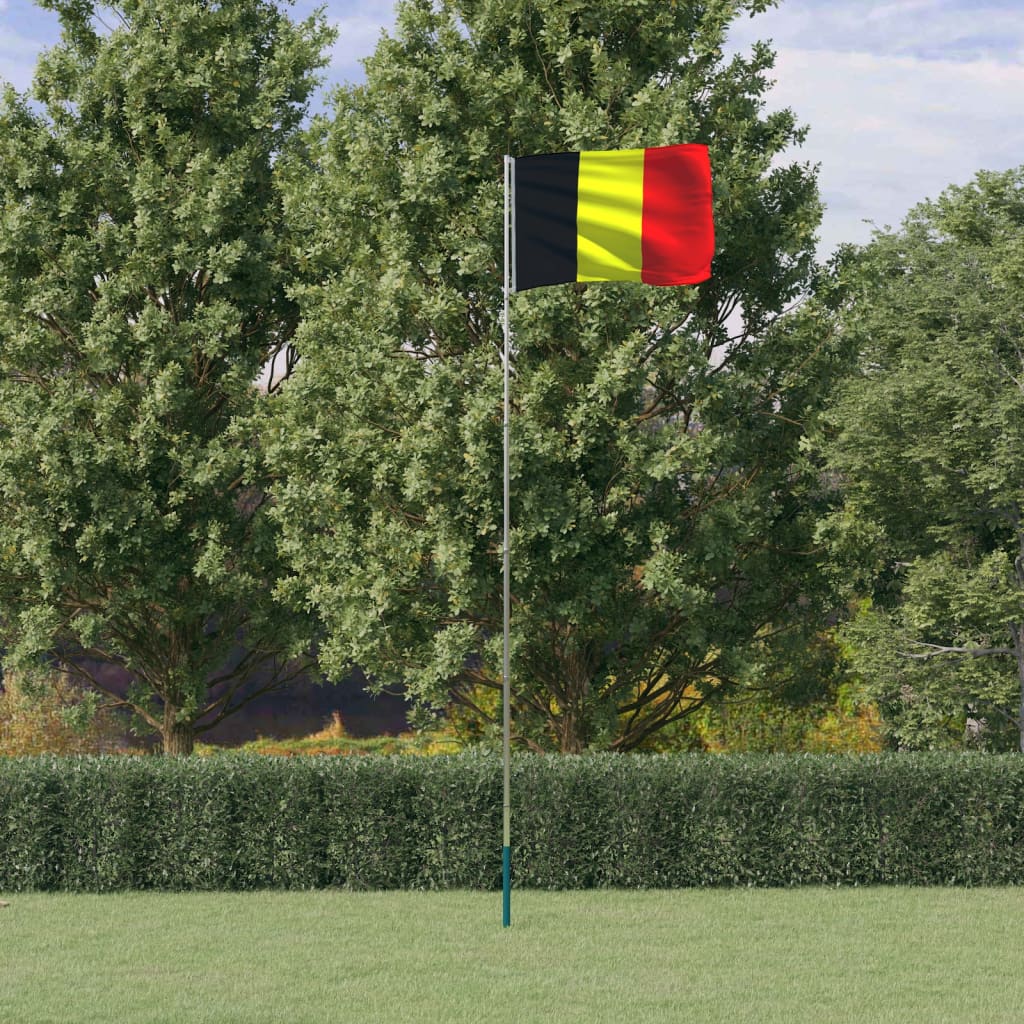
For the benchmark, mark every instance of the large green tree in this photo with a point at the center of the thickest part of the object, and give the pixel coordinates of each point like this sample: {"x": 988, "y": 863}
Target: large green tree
{"x": 661, "y": 508}
{"x": 143, "y": 287}
{"x": 928, "y": 437}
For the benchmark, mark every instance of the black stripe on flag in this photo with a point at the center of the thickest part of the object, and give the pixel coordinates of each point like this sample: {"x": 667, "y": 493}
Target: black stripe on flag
{"x": 546, "y": 190}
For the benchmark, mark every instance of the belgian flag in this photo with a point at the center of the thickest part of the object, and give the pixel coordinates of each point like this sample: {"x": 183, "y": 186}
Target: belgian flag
{"x": 616, "y": 215}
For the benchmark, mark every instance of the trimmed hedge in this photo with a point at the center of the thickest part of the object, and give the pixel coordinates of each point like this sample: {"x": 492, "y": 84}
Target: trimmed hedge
{"x": 236, "y": 822}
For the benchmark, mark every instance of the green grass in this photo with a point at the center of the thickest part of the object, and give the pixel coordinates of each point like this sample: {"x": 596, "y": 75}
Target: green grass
{"x": 816, "y": 955}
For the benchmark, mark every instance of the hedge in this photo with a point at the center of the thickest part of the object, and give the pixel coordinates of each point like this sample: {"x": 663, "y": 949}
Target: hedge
{"x": 245, "y": 822}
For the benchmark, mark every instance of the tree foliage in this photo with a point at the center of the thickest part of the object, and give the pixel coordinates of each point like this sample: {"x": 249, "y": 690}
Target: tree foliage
{"x": 928, "y": 439}
{"x": 662, "y": 508}
{"x": 143, "y": 286}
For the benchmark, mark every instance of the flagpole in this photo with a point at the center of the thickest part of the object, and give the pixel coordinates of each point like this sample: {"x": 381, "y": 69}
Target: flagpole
{"x": 506, "y": 805}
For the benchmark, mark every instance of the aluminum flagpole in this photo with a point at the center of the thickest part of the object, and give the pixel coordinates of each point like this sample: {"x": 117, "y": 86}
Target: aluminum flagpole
{"x": 506, "y": 804}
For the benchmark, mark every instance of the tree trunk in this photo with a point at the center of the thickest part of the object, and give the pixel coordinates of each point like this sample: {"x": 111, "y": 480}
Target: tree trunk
{"x": 1017, "y": 631}
{"x": 179, "y": 737}
{"x": 569, "y": 739}
{"x": 975, "y": 728}
{"x": 1018, "y": 646}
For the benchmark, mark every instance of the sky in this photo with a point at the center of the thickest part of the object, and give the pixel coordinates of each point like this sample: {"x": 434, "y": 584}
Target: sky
{"x": 903, "y": 98}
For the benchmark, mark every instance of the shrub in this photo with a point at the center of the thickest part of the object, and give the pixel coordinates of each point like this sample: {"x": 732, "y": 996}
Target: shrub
{"x": 244, "y": 822}
{"x": 51, "y": 716}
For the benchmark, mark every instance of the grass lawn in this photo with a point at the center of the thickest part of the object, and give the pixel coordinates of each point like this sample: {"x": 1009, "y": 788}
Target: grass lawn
{"x": 816, "y": 955}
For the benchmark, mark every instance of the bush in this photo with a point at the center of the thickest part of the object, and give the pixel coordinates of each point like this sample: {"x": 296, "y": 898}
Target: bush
{"x": 51, "y": 715}
{"x": 841, "y": 722}
{"x": 245, "y": 822}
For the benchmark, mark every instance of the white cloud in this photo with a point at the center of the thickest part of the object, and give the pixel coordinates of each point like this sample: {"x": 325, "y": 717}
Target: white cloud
{"x": 17, "y": 58}
{"x": 940, "y": 29}
{"x": 358, "y": 34}
{"x": 25, "y": 31}
{"x": 902, "y": 98}
{"x": 890, "y": 132}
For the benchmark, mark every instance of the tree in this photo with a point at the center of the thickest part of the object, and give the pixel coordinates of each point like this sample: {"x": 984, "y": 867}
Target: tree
{"x": 143, "y": 285}
{"x": 662, "y": 508}
{"x": 928, "y": 439}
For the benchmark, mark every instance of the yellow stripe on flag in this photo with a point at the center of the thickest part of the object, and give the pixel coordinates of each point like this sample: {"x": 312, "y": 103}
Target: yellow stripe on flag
{"x": 609, "y": 215}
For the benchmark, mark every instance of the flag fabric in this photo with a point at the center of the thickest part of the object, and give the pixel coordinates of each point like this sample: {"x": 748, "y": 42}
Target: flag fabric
{"x": 615, "y": 215}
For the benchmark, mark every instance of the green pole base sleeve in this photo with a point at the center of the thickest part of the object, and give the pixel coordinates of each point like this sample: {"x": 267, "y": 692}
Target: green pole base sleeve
{"x": 506, "y": 886}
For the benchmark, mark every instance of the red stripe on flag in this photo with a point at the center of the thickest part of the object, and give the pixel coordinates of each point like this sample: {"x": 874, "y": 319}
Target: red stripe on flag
{"x": 678, "y": 232}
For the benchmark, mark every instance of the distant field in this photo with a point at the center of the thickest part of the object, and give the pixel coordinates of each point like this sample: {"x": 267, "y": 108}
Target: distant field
{"x": 862, "y": 956}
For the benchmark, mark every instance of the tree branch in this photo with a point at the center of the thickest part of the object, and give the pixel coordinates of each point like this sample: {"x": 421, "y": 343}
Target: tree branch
{"x": 938, "y": 650}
